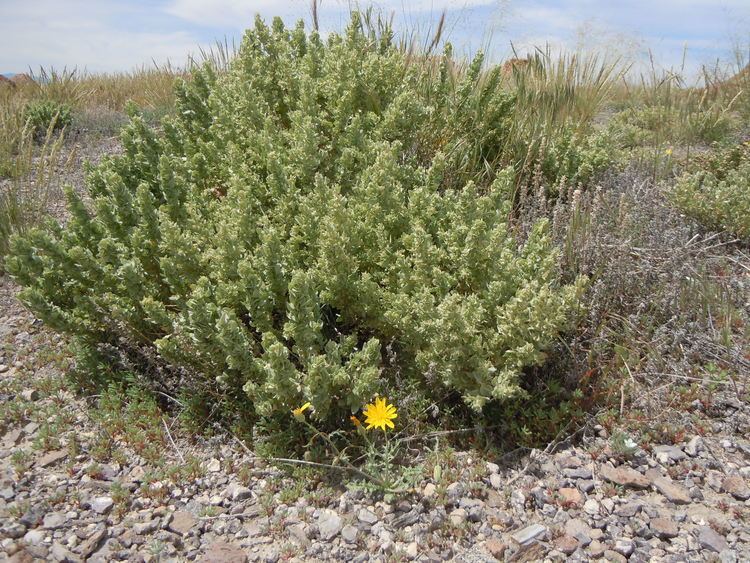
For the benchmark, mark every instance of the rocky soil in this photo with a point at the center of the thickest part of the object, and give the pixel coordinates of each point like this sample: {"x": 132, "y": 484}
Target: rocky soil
{"x": 72, "y": 490}
{"x": 683, "y": 502}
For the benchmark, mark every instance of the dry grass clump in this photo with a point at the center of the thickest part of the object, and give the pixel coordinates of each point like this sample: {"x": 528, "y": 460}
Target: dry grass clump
{"x": 667, "y": 312}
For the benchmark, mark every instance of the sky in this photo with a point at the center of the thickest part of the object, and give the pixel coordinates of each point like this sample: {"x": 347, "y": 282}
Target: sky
{"x": 118, "y": 35}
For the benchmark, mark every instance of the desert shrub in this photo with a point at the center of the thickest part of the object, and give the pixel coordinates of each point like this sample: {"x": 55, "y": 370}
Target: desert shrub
{"x": 41, "y": 115}
{"x": 719, "y": 196}
{"x": 320, "y": 222}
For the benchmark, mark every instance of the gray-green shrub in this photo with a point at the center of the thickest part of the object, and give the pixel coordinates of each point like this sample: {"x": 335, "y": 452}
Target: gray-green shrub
{"x": 41, "y": 115}
{"x": 321, "y": 212}
{"x": 718, "y": 196}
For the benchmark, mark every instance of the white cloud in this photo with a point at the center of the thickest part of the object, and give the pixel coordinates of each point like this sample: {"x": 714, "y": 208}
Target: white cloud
{"x": 83, "y": 35}
{"x": 239, "y": 14}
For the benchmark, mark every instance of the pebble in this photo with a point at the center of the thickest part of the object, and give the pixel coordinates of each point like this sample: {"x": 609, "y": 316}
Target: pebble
{"x": 624, "y": 476}
{"x": 709, "y": 539}
{"x": 529, "y": 534}
{"x": 736, "y": 486}
{"x": 102, "y": 505}
{"x": 329, "y": 524}
{"x": 664, "y": 528}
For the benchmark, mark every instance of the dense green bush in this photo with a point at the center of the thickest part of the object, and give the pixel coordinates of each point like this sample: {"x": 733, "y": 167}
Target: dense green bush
{"x": 40, "y": 115}
{"x": 322, "y": 220}
{"x": 719, "y": 194}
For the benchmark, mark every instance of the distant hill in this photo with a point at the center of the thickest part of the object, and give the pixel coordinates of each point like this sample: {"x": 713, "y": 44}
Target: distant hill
{"x": 8, "y": 74}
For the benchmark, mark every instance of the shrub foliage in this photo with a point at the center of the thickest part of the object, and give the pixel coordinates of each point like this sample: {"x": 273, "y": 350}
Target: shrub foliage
{"x": 718, "y": 196}
{"x": 323, "y": 218}
{"x": 42, "y": 114}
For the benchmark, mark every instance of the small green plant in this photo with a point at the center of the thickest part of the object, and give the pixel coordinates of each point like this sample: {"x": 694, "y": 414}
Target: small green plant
{"x": 622, "y": 444}
{"x": 21, "y": 460}
{"x": 121, "y": 497}
{"x": 383, "y": 468}
{"x": 44, "y": 115}
{"x": 719, "y": 196}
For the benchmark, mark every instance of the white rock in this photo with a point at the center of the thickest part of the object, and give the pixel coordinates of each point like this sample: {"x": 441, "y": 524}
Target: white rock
{"x": 102, "y": 505}
{"x": 329, "y": 524}
{"x": 591, "y": 506}
{"x": 34, "y": 537}
{"x": 529, "y": 534}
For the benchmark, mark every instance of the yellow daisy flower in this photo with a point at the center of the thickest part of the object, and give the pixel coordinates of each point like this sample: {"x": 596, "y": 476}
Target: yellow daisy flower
{"x": 299, "y": 413}
{"x": 379, "y": 414}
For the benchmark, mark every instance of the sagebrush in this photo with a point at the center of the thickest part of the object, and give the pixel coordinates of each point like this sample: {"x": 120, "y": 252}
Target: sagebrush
{"x": 321, "y": 221}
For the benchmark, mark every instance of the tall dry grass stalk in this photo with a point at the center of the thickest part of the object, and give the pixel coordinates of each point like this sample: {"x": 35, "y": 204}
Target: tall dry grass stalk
{"x": 25, "y": 200}
{"x": 557, "y": 93}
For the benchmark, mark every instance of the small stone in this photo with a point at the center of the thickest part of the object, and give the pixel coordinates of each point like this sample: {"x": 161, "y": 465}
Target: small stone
{"x": 222, "y": 552}
{"x": 93, "y": 541}
{"x": 671, "y": 453}
{"x": 349, "y": 534}
{"x": 102, "y": 505}
{"x": 454, "y": 492}
{"x": 34, "y": 537}
{"x": 614, "y": 556}
{"x": 213, "y": 465}
{"x": 458, "y": 516}
{"x": 586, "y": 485}
{"x": 728, "y": 556}
{"x": 30, "y": 395}
{"x": 628, "y": 510}
{"x": 529, "y": 534}
{"x": 238, "y": 492}
{"x": 496, "y": 548}
{"x": 694, "y": 446}
{"x": 298, "y": 535}
{"x": 704, "y": 516}
{"x": 136, "y": 474}
{"x": 591, "y": 506}
{"x": 143, "y": 528}
{"x": 624, "y": 546}
{"x": 580, "y": 530}
{"x": 329, "y": 524}
{"x": 566, "y": 544}
{"x": 53, "y": 521}
{"x": 493, "y": 467}
{"x": 664, "y": 528}
{"x": 429, "y": 490}
{"x": 51, "y": 457}
{"x": 569, "y": 462}
{"x": 736, "y": 486}
{"x": 673, "y": 491}
{"x": 59, "y": 553}
{"x": 412, "y": 550}
{"x": 367, "y": 516}
{"x": 596, "y": 549}
{"x": 496, "y": 481}
{"x": 409, "y": 519}
{"x": 710, "y": 539}
{"x": 624, "y": 476}
{"x": 571, "y": 497}
{"x": 578, "y": 473}
{"x": 182, "y": 522}
{"x": 12, "y": 437}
